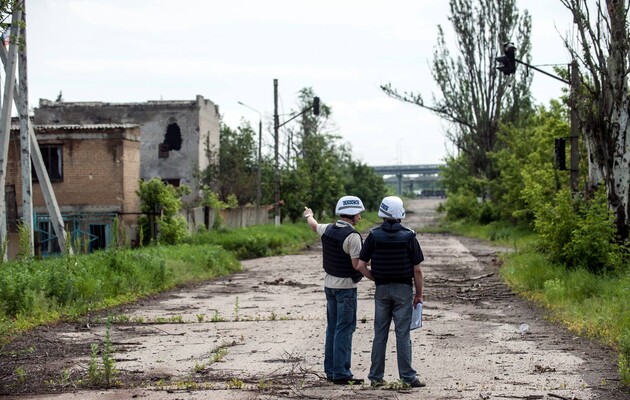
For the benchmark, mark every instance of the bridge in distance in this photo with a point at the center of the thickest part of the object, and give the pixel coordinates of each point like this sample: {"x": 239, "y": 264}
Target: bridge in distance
{"x": 412, "y": 178}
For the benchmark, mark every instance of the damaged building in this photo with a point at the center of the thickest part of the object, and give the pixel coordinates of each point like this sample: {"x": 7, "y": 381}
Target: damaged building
{"x": 94, "y": 172}
{"x": 175, "y": 135}
{"x": 96, "y": 153}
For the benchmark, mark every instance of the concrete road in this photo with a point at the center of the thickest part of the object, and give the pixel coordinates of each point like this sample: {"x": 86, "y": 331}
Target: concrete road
{"x": 259, "y": 334}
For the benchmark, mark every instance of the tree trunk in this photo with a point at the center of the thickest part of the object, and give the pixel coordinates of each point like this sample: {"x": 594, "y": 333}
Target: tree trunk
{"x": 604, "y": 41}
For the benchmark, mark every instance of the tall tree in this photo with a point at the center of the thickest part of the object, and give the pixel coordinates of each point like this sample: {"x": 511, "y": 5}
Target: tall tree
{"x": 474, "y": 96}
{"x": 602, "y": 101}
{"x": 236, "y": 170}
{"x": 319, "y": 167}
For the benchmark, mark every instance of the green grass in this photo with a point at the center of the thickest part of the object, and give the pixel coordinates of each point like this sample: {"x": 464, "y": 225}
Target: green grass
{"x": 502, "y": 233}
{"x": 34, "y": 292}
{"x": 40, "y": 291}
{"x": 589, "y": 304}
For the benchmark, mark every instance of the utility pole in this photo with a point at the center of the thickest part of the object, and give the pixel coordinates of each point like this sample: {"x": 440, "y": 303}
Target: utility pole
{"x": 276, "y": 128}
{"x": 276, "y": 174}
{"x": 5, "y": 118}
{"x": 25, "y": 140}
{"x": 575, "y": 82}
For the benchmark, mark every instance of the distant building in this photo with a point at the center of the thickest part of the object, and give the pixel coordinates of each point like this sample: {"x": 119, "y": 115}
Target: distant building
{"x": 175, "y": 135}
{"x": 94, "y": 172}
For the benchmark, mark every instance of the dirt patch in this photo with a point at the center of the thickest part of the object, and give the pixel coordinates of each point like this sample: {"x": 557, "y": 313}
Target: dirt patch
{"x": 260, "y": 334}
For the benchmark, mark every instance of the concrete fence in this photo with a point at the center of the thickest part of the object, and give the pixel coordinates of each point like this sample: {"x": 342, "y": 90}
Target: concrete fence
{"x": 230, "y": 217}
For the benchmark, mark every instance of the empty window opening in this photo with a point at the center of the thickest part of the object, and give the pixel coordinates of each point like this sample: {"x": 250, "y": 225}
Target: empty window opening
{"x": 52, "y": 156}
{"x": 173, "y": 136}
{"x": 45, "y": 239}
{"x": 98, "y": 237}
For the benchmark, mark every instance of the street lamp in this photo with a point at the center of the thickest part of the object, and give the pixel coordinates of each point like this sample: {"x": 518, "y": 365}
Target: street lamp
{"x": 259, "y": 186}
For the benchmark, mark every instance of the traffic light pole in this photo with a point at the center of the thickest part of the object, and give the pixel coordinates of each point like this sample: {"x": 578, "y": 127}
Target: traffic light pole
{"x": 543, "y": 72}
{"x": 574, "y": 134}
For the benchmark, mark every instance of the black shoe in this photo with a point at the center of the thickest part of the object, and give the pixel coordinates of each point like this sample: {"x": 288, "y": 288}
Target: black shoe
{"x": 329, "y": 379}
{"x": 348, "y": 381}
{"x": 417, "y": 383}
{"x": 378, "y": 383}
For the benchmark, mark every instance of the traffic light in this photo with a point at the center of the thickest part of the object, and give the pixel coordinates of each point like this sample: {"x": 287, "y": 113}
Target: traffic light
{"x": 507, "y": 60}
{"x": 316, "y": 106}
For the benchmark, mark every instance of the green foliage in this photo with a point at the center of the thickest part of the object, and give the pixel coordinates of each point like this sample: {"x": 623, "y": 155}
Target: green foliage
{"x": 462, "y": 205}
{"x": 588, "y": 303}
{"x": 233, "y": 169}
{"x": 173, "y": 230}
{"x": 102, "y": 372}
{"x": 24, "y": 233}
{"x": 473, "y": 97}
{"x": 162, "y": 202}
{"x": 528, "y": 271}
{"x": 94, "y": 373}
{"x": 527, "y": 158}
{"x": 33, "y": 292}
{"x": 578, "y": 233}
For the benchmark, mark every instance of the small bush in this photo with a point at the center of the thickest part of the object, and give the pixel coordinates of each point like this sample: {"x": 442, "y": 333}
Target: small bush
{"x": 462, "y": 206}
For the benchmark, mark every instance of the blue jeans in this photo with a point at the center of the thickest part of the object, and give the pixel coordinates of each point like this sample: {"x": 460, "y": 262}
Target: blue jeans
{"x": 392, "y": 301}
{"x": 341, "y": 316}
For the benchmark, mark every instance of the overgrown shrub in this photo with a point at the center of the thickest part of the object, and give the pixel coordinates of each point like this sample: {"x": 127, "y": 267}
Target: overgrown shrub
{"x": 578, "y": 232}
{"x": 462, "y": 205}
{"x": 163, "y": 202}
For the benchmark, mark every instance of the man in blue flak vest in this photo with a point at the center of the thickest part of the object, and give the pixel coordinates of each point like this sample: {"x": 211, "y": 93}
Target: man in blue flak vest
{"x": 395, "y": 256}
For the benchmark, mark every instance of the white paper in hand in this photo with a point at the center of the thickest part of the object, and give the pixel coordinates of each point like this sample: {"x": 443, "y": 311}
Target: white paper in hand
{"x": 416, "y": 317}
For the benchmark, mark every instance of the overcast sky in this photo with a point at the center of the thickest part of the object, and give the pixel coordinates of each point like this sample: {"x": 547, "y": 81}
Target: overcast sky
{"x": 230, "y": 51}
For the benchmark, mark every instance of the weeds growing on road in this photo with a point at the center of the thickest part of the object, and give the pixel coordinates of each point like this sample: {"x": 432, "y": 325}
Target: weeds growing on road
{"x": 102, "y": 372}
{"x": 236, "y": 309}
{"x": 217, "y": 317}
{"x": 592, "y": 304}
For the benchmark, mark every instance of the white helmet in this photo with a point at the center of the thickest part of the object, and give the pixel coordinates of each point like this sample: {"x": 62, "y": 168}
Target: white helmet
{"x": 349, "y": 205}
{"x": 391, "y": 207}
